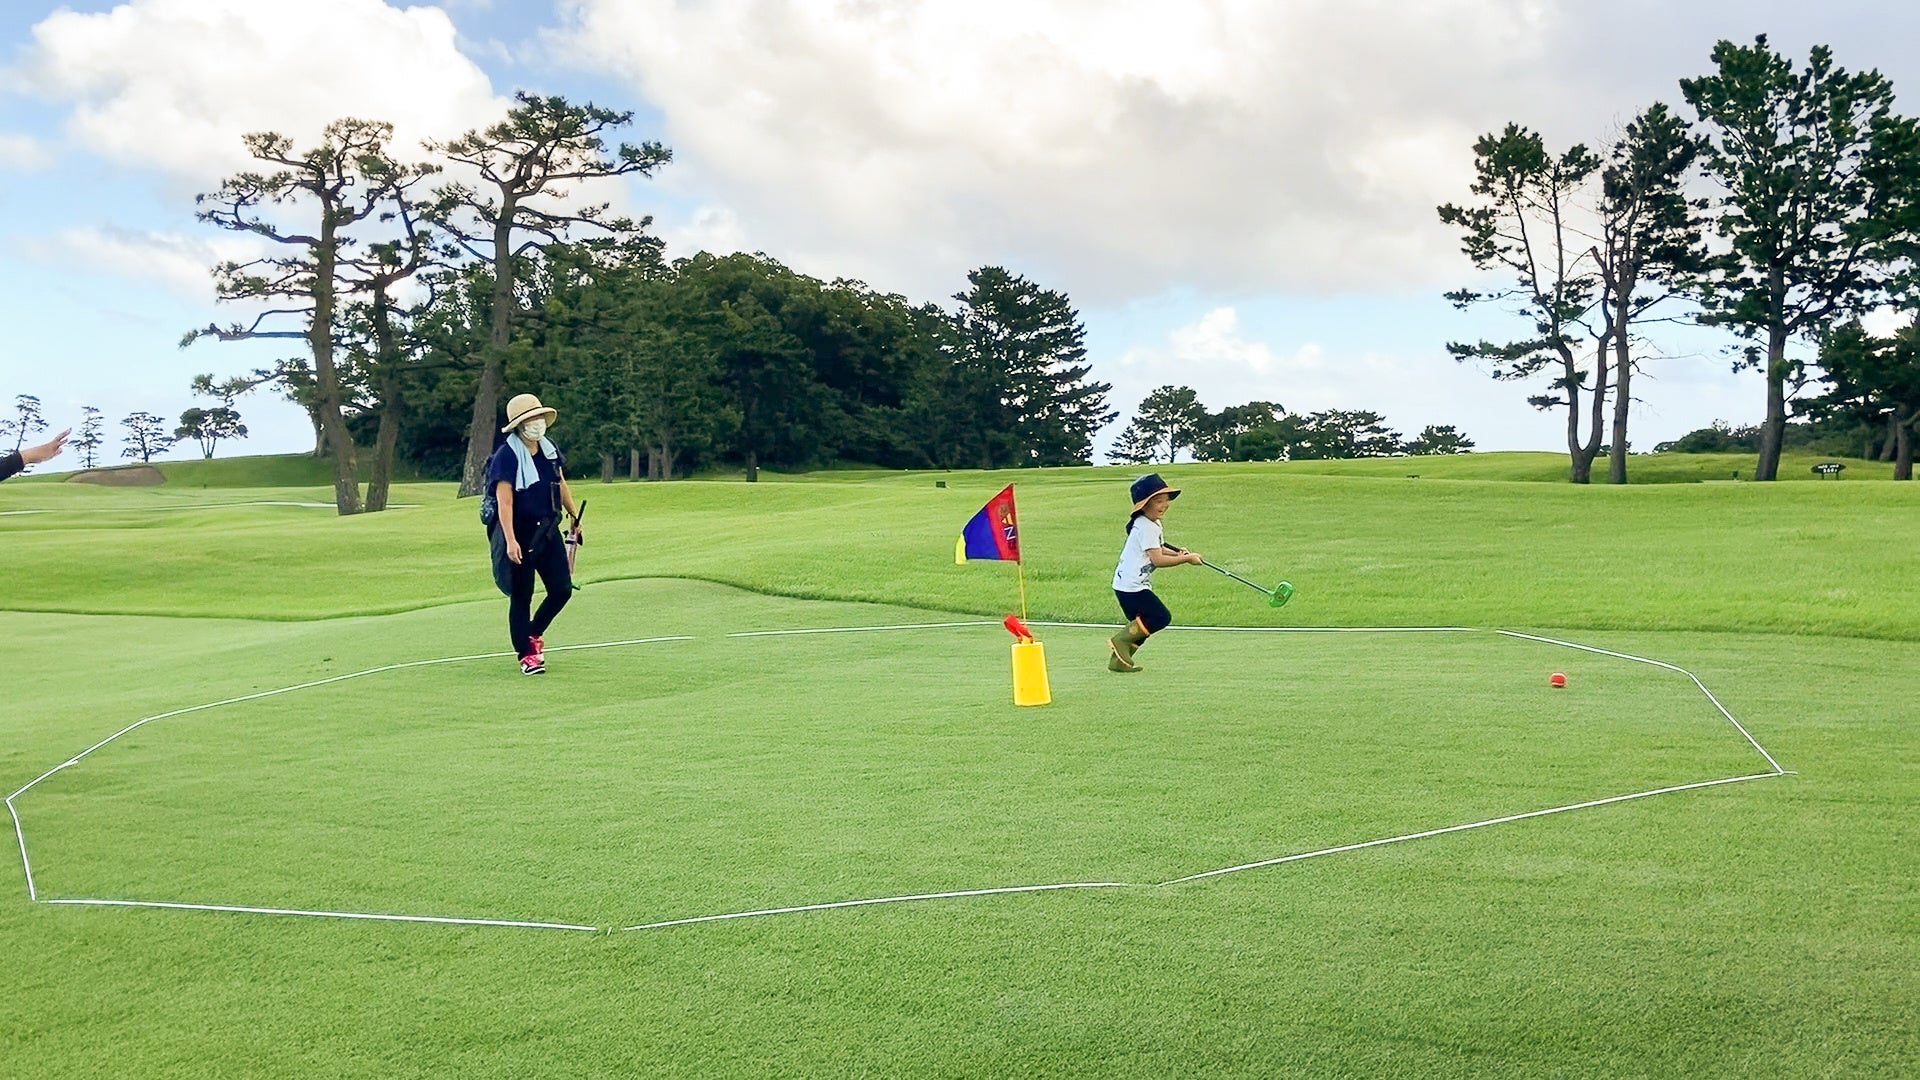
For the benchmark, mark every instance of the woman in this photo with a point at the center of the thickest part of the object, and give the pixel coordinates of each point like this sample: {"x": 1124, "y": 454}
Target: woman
{"x": 528, "y": 481}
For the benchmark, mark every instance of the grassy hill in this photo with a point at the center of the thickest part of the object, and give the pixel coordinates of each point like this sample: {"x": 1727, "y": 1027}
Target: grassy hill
{"x": 304, "y": 470}
{"x": 1815, "y": 557}
{"x": 255, "y": 471}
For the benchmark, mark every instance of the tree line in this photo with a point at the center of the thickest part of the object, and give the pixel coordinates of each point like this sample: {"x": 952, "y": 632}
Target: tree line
{"x": 1785, "y": 211}
{"x": 418, "y": 299}
{"x": 1831, "y": 434}
{"x": 146, "y": 433}
{"x": 420, "y": 286}
{"x": 740, "y": 360}
{"x": 1172, "y": 419}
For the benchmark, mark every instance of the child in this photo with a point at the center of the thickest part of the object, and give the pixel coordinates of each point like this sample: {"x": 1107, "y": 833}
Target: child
{"x": 1133, "y": 578}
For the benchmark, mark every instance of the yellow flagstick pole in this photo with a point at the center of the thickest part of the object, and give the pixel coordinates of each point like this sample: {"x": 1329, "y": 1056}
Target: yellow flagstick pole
{"x": 1020, "y": 568}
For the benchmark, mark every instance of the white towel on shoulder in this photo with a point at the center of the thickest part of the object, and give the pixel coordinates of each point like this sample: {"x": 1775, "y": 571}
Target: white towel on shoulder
{"x": 528, "y": 475}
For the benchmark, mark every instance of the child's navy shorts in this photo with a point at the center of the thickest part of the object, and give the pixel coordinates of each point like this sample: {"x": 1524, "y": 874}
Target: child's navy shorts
{"x": 1146, "y": 607}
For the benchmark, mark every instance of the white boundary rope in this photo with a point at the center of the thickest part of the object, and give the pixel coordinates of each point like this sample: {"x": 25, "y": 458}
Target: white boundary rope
{"x": 1669, "y": 667}
{"x": 189, "y": 506}
{"x": 75, "y": 760}
{"x": 328, "y": 914}
{"x": 25, "y": 866}
{"x": 858, "y": 629}
{"x": 1287, "y": 629}
{"x": 1469, "y": 825}
{"x": 33, "y": 893}
{"x": 884, "y": 900}
{"x": 20, "y": 834}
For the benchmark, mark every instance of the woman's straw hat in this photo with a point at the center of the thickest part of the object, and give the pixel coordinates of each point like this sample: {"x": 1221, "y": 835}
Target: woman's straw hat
{"x": 525, "y": 407}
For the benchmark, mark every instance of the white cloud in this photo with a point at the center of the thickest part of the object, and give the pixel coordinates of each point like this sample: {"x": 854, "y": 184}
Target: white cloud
{"x": 708, "y": 228}
{"x": 1227, "y": 368}
{"x": 173, "y": 84}
{"x": 1118, "y": 148}
{"x": 1884, "y": 321}
{"x": 23, "y": 152}
{"x": 181, "y": 264}
{"x": 1232, "y": 144}
{"x": 1215, "y": 342}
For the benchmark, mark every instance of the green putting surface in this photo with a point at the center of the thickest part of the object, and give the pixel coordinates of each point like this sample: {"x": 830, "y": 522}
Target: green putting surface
{"x": 1763, "y": 927}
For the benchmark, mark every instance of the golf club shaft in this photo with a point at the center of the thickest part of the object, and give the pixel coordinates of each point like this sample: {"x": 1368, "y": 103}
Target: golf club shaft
{"x": 1257, "y": 588}
{"x": 1236, "y": 577}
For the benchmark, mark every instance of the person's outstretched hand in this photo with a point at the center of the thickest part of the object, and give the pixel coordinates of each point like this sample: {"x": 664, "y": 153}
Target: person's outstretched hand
{"x": 34, "y": 455}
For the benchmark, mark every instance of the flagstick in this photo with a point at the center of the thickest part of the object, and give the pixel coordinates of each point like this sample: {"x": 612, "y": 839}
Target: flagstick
{"x": 1021, "y": 569}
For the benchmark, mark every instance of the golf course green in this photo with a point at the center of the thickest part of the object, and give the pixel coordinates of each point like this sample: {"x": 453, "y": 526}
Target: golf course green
{"x": 1357, "y": 834}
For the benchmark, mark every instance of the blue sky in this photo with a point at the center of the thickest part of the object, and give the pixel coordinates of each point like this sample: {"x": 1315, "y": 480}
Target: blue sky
{"x": 1237, "y": 195}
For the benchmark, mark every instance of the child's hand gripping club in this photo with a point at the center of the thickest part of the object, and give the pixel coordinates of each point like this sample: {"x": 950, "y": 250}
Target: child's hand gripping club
{"x": 1190, "y": 557}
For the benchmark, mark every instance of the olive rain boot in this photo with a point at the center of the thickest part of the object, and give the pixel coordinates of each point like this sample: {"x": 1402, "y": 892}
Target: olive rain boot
{"x": 1124, "y": 644}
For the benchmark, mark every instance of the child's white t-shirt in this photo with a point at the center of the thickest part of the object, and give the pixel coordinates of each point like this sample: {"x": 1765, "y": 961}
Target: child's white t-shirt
{"x": 1135, "y": 572}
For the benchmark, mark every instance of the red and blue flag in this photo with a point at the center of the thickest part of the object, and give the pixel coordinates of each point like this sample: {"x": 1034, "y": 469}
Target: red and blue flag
{"x": 993, "y": 533}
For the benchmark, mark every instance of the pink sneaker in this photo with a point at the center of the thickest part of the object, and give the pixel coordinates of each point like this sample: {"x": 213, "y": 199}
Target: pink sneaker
{"x": 531, "y": 664}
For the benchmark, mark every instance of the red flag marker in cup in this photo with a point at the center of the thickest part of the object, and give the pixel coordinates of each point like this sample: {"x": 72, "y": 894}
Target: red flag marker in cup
{"x": 1029, "y": 665}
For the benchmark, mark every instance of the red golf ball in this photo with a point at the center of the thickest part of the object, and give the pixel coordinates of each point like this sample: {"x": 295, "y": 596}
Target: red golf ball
{"x": 1558, "y": 678}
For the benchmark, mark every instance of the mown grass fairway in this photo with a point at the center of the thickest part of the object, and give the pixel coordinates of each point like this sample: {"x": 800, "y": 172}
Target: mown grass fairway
{"x": 1764, "y": 927}
{"x": 681, "y": 778}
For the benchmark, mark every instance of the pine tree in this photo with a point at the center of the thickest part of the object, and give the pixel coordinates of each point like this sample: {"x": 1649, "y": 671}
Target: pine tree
{"x": 91, "y": 438}
{"x": 1022, "y": 351}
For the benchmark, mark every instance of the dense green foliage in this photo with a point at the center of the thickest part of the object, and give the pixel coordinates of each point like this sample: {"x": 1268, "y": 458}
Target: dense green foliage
{"x": 1815, "y": 174}
{"x": 1837, "y": 433}
{"x": 738, "y": 360}
{"x": 1872, "y": 382}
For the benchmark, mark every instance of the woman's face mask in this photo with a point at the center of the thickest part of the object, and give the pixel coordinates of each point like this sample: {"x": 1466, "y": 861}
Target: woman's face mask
{"x": 534, "y": 429}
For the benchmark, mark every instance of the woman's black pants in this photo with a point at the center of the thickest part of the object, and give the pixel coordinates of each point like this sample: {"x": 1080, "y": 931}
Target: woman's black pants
{"x": 545, "y": 555}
